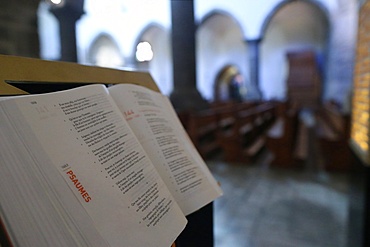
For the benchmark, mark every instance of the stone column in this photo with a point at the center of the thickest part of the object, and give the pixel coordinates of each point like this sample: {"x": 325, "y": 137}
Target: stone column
{"x": 185, "y": 94}
{"x": 67, "y": 16}
{"x": 18, "y": 28}
{"x": 254, "y": 57}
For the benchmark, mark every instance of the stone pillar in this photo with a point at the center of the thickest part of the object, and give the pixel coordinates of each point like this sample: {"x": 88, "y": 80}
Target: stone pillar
{"x": 185, "y": 94}
{"x": 67, "y": 16}
{"x": 18, "y": 28}
{"x": 254, "y": 57}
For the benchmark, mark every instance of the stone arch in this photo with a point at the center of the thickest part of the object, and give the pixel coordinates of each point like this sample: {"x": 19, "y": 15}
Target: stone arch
{"x": 104, "y": 51}
{"x": 283, "y": 3}
{"x": 160, "y": 67}
{"x": 147, "y": 32}
{"x": 219, "y": 12}
{"x": 310, "y": 30}
{"x": 219, "y": 41}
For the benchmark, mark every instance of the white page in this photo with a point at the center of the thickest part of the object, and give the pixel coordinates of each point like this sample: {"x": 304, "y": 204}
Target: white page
{"x": 100, "y": 159}
{"x": 155, "y": 123}
{"x": 31, "y": 214}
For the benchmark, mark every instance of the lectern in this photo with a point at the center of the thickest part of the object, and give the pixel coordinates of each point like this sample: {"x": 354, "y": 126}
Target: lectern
{"x": 23, "y": 76}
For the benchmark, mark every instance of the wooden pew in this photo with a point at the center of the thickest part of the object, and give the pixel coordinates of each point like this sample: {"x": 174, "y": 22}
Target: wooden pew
{"x": 235, "y": 129}
{"x": 227, "y": 118}
{"x": 333, "y": 134}
{"x": 202, "y": 129}
{"x": 281, "y": 139}
{"x": 184, "y": 118}
{"x": 222, "y": 104}
{"x": 243, "y": 141}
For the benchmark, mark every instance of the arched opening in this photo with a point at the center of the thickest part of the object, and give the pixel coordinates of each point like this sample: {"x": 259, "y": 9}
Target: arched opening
{"x": 153, "y": 53}
{"x": 105, "y": 52}
{"x": 229, "y": 85}
{"x": 292, "y": 27}
{"x": 219, "y": 43}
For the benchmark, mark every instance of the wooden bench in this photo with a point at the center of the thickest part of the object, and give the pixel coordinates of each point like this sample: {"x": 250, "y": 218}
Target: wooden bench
{"x": 205, "y": 127}
{"x": 227, "y": 118}
{"x": 203, "y": 130}
{"x": 244, "y": 140}
{"x": 184, "y": 118}
{"x": 280, "y": 139}
{"x": 333, "y": 134}
{"x": 236, "y": 129}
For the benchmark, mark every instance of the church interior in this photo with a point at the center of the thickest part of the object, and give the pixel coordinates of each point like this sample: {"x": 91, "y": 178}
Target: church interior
{"x": 269, "y": 109}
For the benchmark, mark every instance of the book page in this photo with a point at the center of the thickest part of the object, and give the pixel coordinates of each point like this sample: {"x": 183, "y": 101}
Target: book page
{"x": 155, "y": 123}
{"x": 100, "y": 159}
{"x": 30, "y": 208}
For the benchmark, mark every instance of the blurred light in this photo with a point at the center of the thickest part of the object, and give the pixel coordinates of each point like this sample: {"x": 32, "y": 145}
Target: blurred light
{"x": 58, "y": 3}
{"x": 144, "y": 52}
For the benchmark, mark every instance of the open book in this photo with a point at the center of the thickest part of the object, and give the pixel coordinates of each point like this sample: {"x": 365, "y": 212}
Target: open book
{"x": 98, "y": 166}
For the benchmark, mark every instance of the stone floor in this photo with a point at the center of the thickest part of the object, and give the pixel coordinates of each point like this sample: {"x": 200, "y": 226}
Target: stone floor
{"x": 264, "y": 207}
